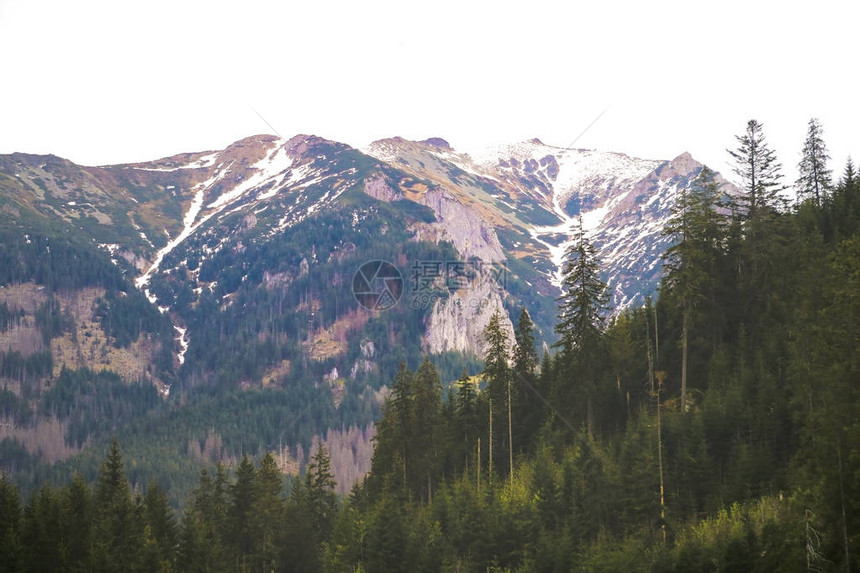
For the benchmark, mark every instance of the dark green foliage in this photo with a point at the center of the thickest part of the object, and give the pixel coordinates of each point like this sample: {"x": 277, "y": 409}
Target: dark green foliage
{"x": 814, "y": 182}
{"x": 124, "y": 316}
{"x": 96, "y": 403}
{"x": 759, "y": 171}
{"x": 11, "y": 548}
{"x": 583, "y": 302}
{"x": 57, "y": 262}
{"x": 27, "y": 372}
{"x": 497, "y": 375}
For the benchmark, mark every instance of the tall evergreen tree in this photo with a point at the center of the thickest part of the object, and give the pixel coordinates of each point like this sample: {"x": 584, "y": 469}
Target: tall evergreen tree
{"x": 759, "y": 171}
{"x": 763, "y": 226}
{"x": 497, "y": 374}
{"x": 845, "y": 203}
{"x": 403, "y": 395}
{"x": 78, "y": 520}
{"x": 467, "y": 417}
{"x": 161, "y": 535}
{"x": 117, "y": 532}
{"x": 424, "y": 449}
{"x": 267, "y": 513}
{"x": 696, "y": 227}
{"x": 584, "y": 299}
{"x": 319, "y": 489}
{"x": 814, "y": 181}
{"x": 240, "y": 539}
{"x": 527, "y": 410}
{"x": 582, "y": 310}
{"x": 525, "y": 353}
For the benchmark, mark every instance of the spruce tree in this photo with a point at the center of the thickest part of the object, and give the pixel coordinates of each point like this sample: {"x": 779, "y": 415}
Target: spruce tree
{"x": 497, "y": 375}
{"x": 467, "y": 417}
{"x": 161, "y": 536}
{"x": 240, "y": 539}
{"x": 525, "y": 354}
{"x": 759, "y": 171}
{"x": 319, "y": 490}
{"x": 584, "y": 299}
{"x": 528, "y": 412}
{"x": 761, "y": 220}
{"x": 814, "y": 181}
{"x": 117, "y": 532}
{"x": 78, "y": 517}
{"x": 582, "y": 309}
{"x": 696, "y": 227}
{"x": 424, "y": 449}
{"x": 267, "y": 513}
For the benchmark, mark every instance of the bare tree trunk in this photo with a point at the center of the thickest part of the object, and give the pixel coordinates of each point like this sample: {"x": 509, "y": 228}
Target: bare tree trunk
{"x": 510, "y": 435}
{"x": 660, "y": 377}
{"x": 491, "y": 438}
{"x": 478, "y": 472}
{"x": 684, "y": 336}
{"x": 650, "y": 354}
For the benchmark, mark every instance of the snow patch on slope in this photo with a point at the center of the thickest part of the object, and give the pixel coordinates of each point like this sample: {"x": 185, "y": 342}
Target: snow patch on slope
{"x": 273, "y": 164}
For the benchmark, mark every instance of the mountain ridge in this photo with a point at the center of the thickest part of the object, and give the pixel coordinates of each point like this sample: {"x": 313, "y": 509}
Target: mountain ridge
{"x": 229, "y": 270}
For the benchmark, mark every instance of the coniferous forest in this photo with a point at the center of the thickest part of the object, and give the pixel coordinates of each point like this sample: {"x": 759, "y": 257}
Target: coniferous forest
{"x": 717, "y": 428}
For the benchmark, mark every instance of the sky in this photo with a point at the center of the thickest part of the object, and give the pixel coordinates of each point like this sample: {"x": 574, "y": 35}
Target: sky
{"x": 105, "y": 82}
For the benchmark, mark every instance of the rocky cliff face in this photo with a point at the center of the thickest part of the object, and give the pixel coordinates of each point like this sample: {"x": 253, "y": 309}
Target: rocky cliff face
{"x": 535, "y": 195}
{"x": 456, "y": 323}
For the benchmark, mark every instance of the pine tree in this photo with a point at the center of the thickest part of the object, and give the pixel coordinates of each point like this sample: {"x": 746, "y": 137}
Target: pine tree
{"x": 319, "y": 489}
{"x": 402, "y": 391}
{"x": 240, "y": 538}
{"x": 300, "y": 546}
{"x": 78, "y": 517}
{"x": 582, "y": 308}
{"x": 424, "y": 448}
{"x": 267, "y": 513}
{"x": 528, "y": 412}
{"x": 763, "y": 226}
{"x": 845, "y": 202}
{"x": 467, "y": 417}
{"x": 759, "y": 172}
{"x": 525, "y": 353}
{"x": 161, "y": 537}
{"x": 696, "y": 228}
{"x": 497, "y": 374}
{"x": 394, "y": 434}
{"x": 117, "y": 532}
{"x": 584, "y": 299}
{"x": 41, "y": 532}
{"x": 815, "y": 178}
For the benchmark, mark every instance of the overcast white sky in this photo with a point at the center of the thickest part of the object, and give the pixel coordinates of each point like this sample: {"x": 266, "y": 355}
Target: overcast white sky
{"x": 103, "y": 82}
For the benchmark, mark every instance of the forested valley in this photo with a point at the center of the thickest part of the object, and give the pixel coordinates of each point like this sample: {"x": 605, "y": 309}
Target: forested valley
{"x": 717, "y": 428}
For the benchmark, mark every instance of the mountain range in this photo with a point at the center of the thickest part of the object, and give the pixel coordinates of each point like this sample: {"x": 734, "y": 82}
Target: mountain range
{"x": 210, "y": 273}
